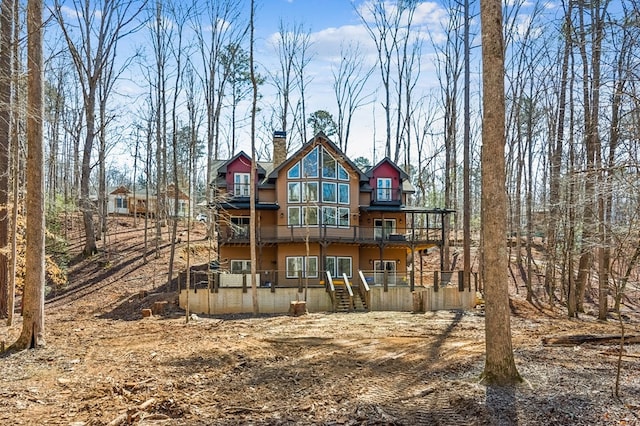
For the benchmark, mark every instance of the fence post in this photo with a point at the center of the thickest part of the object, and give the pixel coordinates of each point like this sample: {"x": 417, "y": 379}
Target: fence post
{"x": 244, "y": 282}
{"x": 385, "y": 280}
{"x": 460, "y": 280}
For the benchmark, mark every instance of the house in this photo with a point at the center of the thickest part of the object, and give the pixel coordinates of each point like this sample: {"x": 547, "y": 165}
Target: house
{"x": 118, "y": 200}
{"x": 318, "y": 212}
{"x": 141, "y": 203}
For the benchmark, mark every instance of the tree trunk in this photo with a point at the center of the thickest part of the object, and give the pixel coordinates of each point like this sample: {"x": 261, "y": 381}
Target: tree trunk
{"x": 32, "y": 335}
{"x": 253, "y": 187}
{"x": 500, "y": 366}
{"x": 6, "y": 14}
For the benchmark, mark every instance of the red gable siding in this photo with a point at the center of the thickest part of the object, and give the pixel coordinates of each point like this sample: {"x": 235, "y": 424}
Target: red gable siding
{"x": 239, "y": 165}
{"x": 385, "y": 170}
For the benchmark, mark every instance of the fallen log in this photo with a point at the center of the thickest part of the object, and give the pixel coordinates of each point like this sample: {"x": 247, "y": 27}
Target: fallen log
{"x": 579, "y": 339}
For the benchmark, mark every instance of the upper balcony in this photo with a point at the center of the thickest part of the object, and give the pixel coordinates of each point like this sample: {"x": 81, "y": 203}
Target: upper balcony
{"x": 386, "y": 196}
{"x": 238, "y": 191}
{"x": 239, "y": 234}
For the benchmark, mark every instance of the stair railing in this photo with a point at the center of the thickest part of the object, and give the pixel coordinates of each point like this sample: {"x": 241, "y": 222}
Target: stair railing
{"x": 331, "y": 289}
{"x": 365, "y": 291}
{"x": 350, "y": 291}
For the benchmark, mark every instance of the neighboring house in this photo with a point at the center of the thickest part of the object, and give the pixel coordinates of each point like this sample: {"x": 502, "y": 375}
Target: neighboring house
{"x": 184, "y": 203}
{"x": 140, "y": 204}
{"x": 318, "y": 198}
{"x": 118, "y": 201}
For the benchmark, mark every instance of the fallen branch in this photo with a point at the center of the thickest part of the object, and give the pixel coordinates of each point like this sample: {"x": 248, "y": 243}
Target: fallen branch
{"x": 132, "y": 415}
{"x": 579, "y": 339}
{"x": 617, "y": 354}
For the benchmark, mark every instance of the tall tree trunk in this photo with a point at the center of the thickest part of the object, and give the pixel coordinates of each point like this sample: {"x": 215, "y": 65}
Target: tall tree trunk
{"x": 16, "y": 167}
{"x": 253, "y": 187}
{"x": 555, "y": 162}
{"x": 6, "y": 14}
{"x": 499, "y": 366}
{"x": 32, "y": 335}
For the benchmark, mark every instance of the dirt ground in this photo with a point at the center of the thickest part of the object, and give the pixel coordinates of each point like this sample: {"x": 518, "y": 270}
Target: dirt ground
{"x": 105, "y": 364}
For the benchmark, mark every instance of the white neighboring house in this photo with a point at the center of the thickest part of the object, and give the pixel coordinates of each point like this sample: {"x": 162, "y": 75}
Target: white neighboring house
{"x": 119, "y": 201}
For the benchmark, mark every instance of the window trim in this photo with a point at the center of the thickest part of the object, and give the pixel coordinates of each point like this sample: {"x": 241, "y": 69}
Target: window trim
{"x": 296, "y": 193}
{"x": 304, "y": 170}
{"x": 304, "y": 193}
{"x": 305, "y": 261}
{"x": 341, "y": 168}
{"x": 290, "y": 175}
{"x": 289, "y": 210}
{"x": 245, "y": 262}
{"x": 350, "y": 259}
{"x": 335, "y": 192}
{"x": 335, "y": 165}
{"x": 303, "y": 216}
{"x": 343, "y": 185}
{"x": 338, "y": 216}
{"x": 240, "y": 183}
{"x": 382, "y": 188}
{"x": 335, "y": 213}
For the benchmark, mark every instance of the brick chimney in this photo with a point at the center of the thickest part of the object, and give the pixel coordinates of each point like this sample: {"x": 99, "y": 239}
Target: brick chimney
{"x": 279, "y": 147}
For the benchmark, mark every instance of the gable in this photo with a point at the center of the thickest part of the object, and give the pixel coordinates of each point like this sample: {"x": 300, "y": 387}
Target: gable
{"x": 316, "y": 151}
{"x": 387, "y": 169}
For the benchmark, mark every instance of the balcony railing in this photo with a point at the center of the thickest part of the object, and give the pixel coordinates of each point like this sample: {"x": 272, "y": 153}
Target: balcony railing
{"x": 238, "y": 190}
{"x": 382, "y": 195}
{"x": 231, "y": 233}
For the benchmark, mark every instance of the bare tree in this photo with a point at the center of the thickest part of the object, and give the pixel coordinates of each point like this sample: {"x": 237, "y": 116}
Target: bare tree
{"x": 390, "y": 28}
{"x": 499, "y": 366}
{"x": 291, "y": 50}
{"x": 253, "y": 175}
{"x": 349, "y": 80}
{"x": 6, "y": 18}
{"x": 15, "y": 131}
{"x": 180, "y": 14}
{"x": 32, "y": 334}
{"x": 104, "y": 25}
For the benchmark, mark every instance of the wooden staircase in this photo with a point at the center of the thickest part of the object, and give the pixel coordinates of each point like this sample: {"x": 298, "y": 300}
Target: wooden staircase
{"x": 343, "y": 303}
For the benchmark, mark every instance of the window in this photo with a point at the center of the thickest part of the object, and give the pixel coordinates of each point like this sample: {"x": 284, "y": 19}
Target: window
{"x": 294, "y": 216}
{"x": 337, "y": 266}
{"x": 328, "y": 192}
{"x": 121, "y": 203}
{"x": 342, "y": 173}
{"x": 384, "y": 192}
{"x": 344, "y": 266}
{"x": 240, "y": 266}
{"x": 294, "y": 172}
{"x": 329, "y": 216}
{"x": 384, "y": 227}
{"x": 309, "y": 192}
{"x": 297, "y": 265}
{"x": 293, "y": 192}
{"x": 240, "y": 226}
{"x": 310, "y": 164}
{"x": 241, "y": 184}
{"x": 328, "y": 165}
{"x": 343, "y": 193}
{"x": 343, "y": 216}
{"x": 330, "y": 265}
{"x": 310, "y": 216}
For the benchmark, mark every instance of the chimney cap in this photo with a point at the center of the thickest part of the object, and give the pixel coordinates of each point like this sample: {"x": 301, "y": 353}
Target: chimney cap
{"x": 280, "y": 134}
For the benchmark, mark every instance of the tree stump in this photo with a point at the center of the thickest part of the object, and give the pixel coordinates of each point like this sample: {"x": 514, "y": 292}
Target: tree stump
{"x": 298, "y": 308}
{"x": 146, "y": 313}
{"x": 158, "y": 308}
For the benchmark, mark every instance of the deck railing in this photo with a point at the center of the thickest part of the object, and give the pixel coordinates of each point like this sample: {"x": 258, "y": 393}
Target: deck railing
{"x": 280, "y": 233}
